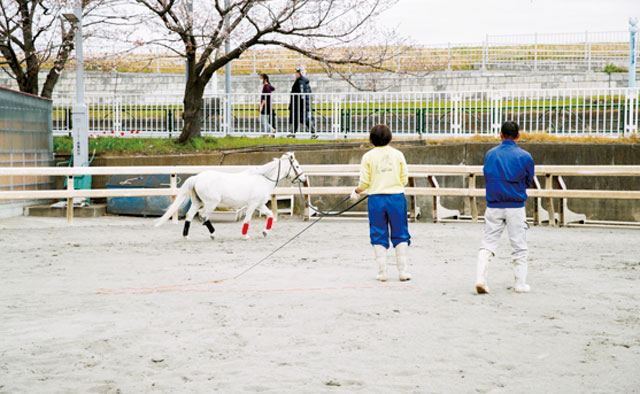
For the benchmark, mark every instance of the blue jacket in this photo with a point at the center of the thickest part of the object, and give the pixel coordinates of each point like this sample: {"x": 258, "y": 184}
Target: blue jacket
{"x": 508, "y": 171}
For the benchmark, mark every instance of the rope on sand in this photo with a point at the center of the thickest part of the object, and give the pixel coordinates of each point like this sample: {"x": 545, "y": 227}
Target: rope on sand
{"x": 177, "y": 287}
{"x": 323, "y": 214}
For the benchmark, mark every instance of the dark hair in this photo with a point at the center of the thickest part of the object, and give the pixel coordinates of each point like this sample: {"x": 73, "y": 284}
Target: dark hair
{"x": 510, "y": 130}
{"x": 265, "y": 77}
{"x": 380, "y": 135}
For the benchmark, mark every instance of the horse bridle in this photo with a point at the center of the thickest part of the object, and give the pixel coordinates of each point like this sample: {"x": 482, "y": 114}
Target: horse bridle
{"x": 291, "y": 167}
{"x": 295, "y": 171}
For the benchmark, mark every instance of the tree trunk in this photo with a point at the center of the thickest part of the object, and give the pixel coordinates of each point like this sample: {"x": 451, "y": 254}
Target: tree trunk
{"x": 50, "y": 82}
{"x": 28, "y": 83}
{"x": 192, "y": 115}
{"x": 58, "y": 64}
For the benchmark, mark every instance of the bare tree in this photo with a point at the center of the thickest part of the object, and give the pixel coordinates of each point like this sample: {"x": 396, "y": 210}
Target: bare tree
{"x": 309, "y": 27}
{"x": 33, "y": 35}
{"x": 387, "y": 69}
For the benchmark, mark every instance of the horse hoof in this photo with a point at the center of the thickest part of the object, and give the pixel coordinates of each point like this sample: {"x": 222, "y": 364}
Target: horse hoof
{"x": 212, "y": 236}
{"x": 265, "y": 233}
{"x": 246, "y": 237}
{"x": 186, "y": 237}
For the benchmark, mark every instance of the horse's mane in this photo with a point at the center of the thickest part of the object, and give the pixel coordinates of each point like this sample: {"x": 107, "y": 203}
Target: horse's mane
{"x": 265, "y": 168}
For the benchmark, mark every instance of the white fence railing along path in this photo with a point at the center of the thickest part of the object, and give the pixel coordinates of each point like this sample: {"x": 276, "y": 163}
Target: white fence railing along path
{"x": 591, "y": 112}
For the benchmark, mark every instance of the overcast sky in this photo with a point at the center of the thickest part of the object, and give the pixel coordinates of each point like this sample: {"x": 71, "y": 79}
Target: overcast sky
{"x": 442, "y": 21}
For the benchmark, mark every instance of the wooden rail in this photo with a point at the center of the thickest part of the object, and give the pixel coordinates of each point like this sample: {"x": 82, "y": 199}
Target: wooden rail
{"x": 551, "y": 174}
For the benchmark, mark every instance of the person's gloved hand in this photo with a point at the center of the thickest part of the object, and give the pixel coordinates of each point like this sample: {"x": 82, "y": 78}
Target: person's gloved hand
{"x": 354, "y": 195}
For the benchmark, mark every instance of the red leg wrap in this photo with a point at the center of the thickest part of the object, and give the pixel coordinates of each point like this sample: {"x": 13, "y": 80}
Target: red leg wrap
{"x": 245, "y": 228}
{"x": 269, "y": 223}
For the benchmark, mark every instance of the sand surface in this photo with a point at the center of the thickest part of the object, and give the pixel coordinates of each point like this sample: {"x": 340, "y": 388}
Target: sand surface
{"x": 114, "y": 305}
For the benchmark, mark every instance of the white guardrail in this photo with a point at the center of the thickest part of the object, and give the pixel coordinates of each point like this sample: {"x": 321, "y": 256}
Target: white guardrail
{"x": 590, "y": 51}
{"x": 595, "y": 112}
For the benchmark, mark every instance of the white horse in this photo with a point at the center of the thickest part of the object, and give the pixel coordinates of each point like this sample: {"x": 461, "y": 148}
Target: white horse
{"x": 251, "y": 188}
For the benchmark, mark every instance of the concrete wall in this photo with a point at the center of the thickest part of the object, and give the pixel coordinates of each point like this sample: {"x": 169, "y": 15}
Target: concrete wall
{"x": 111, "y": 82}
{"x": 160, "y": 83}
{"x": 454, "y": 153}
{"x": 440, "y": 81}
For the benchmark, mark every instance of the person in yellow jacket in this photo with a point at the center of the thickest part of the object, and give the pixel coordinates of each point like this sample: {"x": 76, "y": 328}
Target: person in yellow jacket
{"x": 383, "y": 174}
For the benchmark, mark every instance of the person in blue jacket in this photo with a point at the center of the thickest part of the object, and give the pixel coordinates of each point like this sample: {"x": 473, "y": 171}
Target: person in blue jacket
{"x": 508, "y": 172}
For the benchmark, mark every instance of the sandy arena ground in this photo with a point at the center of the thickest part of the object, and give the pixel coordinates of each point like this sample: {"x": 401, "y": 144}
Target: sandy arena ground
{"x": 312, "y": 319}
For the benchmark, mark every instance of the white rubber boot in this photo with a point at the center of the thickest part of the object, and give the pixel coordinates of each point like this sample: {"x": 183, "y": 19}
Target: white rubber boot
{"x": 481, "y": 271}
{"x": 520, "y": 271}
{"x": 381, "y": 259}
{"x": 401, "y": 261}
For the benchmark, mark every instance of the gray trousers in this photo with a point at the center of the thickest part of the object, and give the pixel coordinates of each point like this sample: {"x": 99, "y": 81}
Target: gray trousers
{"x": 266, "y": 126}
{"x": 515, "y": 220}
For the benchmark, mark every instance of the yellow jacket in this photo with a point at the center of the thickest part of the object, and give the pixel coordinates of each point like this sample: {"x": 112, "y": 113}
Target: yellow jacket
{"x": 383, "y": 170}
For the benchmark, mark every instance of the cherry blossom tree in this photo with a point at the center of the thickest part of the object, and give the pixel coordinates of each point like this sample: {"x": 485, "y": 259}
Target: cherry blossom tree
{"x": 35, "y": 36}
{"x": 331, "y": 31}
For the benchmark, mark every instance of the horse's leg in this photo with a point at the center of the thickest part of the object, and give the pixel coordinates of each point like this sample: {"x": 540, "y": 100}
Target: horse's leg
{"x": 210, "y": 227}
{"x": 266, "y": 211}
{"x": 209, "y": 206}
{"x": 196, "y": 204}
{"x": 251, "y": 208}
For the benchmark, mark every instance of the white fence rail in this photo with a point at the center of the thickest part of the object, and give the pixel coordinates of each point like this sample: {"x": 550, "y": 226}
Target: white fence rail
{"x": 572, "y": 51}
{"x": 602, "y": 112}
{"x": 550, "y": 173}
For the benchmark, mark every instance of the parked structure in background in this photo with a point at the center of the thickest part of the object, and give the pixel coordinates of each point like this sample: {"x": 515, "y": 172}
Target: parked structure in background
{"x": 25, "y": 141}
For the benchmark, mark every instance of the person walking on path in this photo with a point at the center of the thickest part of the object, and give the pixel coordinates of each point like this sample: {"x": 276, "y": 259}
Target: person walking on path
{"x": 383, "y": 173}
{"x": 300, "y": 109}
{"x": 266, "y": 110}
{"x": 508, "y": 171}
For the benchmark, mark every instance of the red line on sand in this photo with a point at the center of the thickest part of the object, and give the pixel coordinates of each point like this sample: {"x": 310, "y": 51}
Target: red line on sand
{"x": 176, "y": 289}
{"x": 114, "y": 290}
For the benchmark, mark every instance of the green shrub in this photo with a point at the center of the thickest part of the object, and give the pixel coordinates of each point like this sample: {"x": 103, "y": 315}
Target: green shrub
{"x": 612, "y": 68}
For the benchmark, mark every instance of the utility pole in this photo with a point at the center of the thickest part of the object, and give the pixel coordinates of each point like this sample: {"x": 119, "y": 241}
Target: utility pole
{"x": 227, "y": 73}
{"x": 633, "y": 51}
{"x": 80, "y": 114}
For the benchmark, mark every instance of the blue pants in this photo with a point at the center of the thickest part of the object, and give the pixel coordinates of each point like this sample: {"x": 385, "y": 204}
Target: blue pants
{"x": 388, "y": 210}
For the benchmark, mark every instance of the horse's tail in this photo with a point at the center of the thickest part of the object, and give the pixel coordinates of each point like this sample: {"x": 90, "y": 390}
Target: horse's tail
{"x": 185, "y": 191}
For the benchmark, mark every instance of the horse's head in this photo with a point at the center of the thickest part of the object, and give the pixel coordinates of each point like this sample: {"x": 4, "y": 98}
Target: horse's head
{"x": 295, "y": 173}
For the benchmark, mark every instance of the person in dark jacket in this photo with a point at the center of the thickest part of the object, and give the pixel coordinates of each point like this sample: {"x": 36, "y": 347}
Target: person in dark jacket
{"x": 266, "y": 111}
{"x": 508, "y": 172}
{"x": 300, "y": 110}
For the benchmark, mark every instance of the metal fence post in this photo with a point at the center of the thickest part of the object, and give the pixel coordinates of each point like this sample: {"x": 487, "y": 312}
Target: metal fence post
{"x": 535, "y": 51}
{"x": 456, "y": 114}
{"x": 587, "y": 50}
{"x": 117, "y": 124}
{"x": 631, "y": 109}
{"x": 484, "y": 52}
{"x": 496, "y": 113}
{"x": 335, "y": 116}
